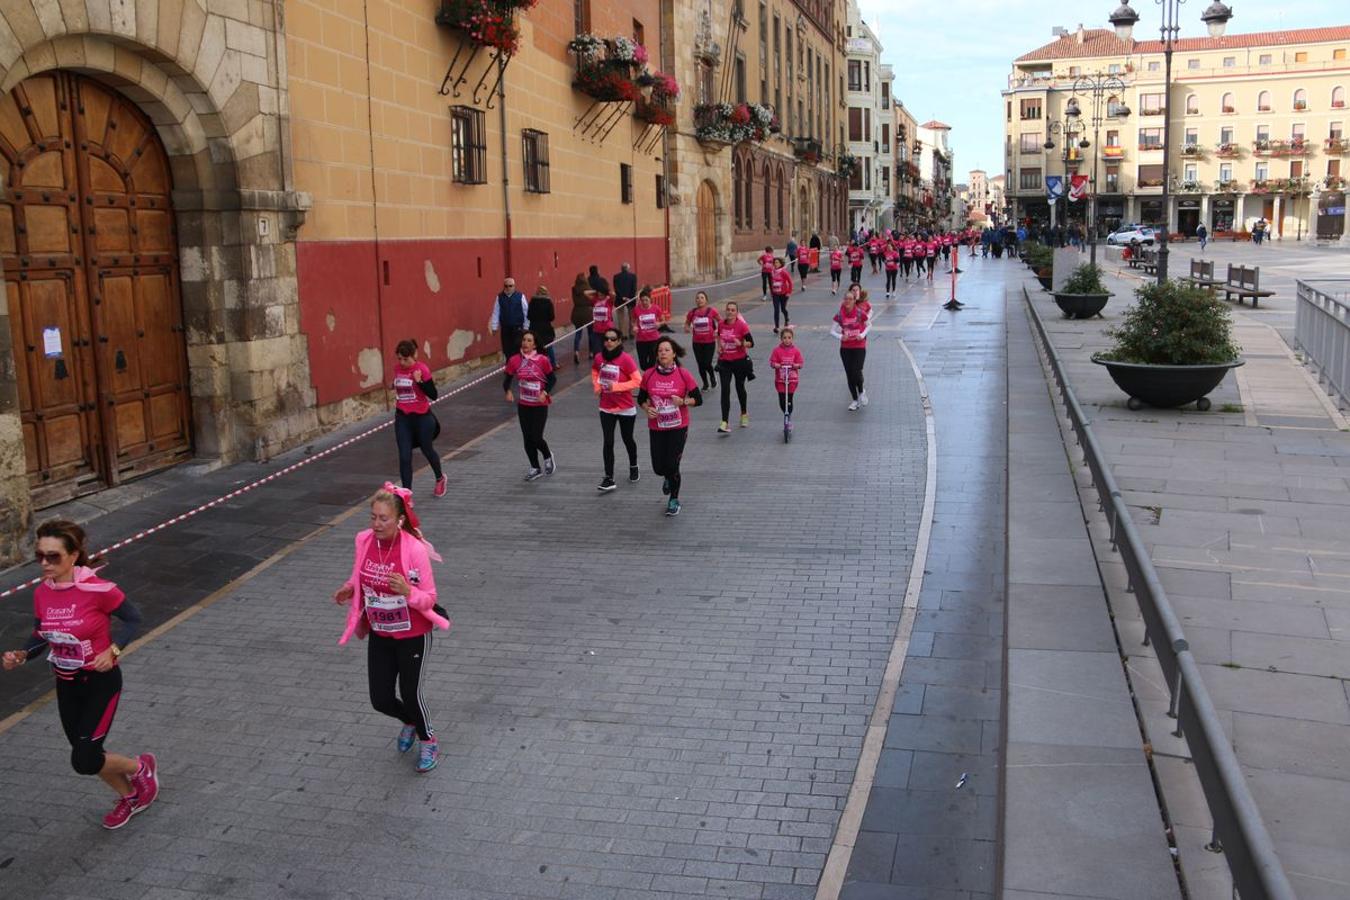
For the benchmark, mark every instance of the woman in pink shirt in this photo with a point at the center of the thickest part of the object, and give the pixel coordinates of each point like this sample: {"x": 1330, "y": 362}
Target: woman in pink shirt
{"x": 786, "y": 361}
{"x": 667, "y": 393}
{"x": 765, "y": 261}
{"x": 534, "y": 379}
{"x": 851, "y": 325}
{"x": 391, "y": 596}
{"x": 614, "y": 377}
{"x": 415, "y": 425}
{"x": 73, "y": 610}
{"x": 702, "y": 322}
{"x": 781, "y": 285}
{"x": 647, "y": 319}
{"x": 836, "y": 267}
{"x": 890, "y": 259}
{"x": 733, "y": 343}
{"x": 855, "y": 261}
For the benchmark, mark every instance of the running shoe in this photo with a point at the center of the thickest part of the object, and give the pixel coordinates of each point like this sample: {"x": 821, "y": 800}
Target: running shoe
{"x": 441, "y": 484}
{"x": 665, "y": 485}
{"x": 853, "y": 407}
{"x": 745, "y": 420}
{"x": 146, "y": 780}
{"x": 406, "y": 735}
{"x": 724, "y": 428}
{"x": 672, "y": 508}
{"x": 862, "y": 397}
{"x": 533, "y": 474}
{"x": 606, "y": 486}
{"x": 550, "y": 466}
{"x": 431, "y": 752}
{"x": 633, "y": 474}
{"x": 775, "y": 329}
{"x": 713, "y": 379}
{"x": 121, "y": 813}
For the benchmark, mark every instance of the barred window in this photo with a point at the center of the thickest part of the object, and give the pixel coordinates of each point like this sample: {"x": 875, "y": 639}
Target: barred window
{"x": 625, "y": 182}
{"x": 535, "y": 156}
{"x": 468, "y": 146}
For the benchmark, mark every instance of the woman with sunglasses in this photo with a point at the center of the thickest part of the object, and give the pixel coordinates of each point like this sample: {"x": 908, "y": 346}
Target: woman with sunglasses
{"x": 614, "y": 377}
{"x": 73, "y": 611}
{"x": 666, "y": 395}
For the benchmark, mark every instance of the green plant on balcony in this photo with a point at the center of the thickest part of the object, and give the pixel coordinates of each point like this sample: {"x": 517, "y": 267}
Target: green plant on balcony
{"x": 1260, "y": 186}
{"x": 732, "y": 123}
{"x": 1333, "y": 183}
{"x": 1189, "y": 187}
{"x": 1336, "y": 145}
{"x": 1192, "y": 151}
{"x": 1227, "y": 150}
{"x": 1226, "y": 186}
{"x": 1261, "y": 146}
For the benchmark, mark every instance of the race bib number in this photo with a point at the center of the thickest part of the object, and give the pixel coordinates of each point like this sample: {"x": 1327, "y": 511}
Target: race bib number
{"x": 647, "y": 321}
{"x": 668, "y": 415}
{"x": 66, "y": 650}
{"x": 600, "y": 315}
{"x": 702, "y": 324}
{"x": 530, "y": 391}
{"x": 386, "y": 613}
{"x": 730, "y": 342}
{"x": 852, "y": 334}
{"x": 403, "y": 390}
{"x": 609, "y": 374}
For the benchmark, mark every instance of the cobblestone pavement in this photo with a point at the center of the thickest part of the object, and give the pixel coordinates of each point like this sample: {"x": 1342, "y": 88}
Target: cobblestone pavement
{"x": 629, "y": 706}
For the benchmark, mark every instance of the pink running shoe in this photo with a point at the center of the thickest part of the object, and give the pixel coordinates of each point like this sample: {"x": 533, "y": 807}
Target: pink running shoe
{"x": 121, "y": 813}
{"x": 441, "y": 484}
{"x": 146, "y": 780}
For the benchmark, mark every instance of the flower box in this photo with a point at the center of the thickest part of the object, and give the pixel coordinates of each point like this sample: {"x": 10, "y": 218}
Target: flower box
{"x": 1336, "y": 145}
{"x": 1228, "y": 151}
{"x": 606, "y": 83}
{"x": 486, "y": 23}
{"x": 654, "y": 112}
{"x": 726, "y": 123}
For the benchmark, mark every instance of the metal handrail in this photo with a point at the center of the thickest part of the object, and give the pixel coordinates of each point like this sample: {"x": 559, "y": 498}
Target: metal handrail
{"x": 1238, "y": 829}
{"x": 1322, "y": 331}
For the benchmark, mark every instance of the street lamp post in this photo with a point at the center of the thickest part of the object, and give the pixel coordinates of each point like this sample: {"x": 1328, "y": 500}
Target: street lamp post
{"x": 1215, "y": 17}
{"x": 1096, "y": 86}
{"x": 1069, "y": 129}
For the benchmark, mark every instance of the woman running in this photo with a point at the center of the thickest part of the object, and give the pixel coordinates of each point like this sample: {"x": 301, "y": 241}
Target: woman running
{"x": 890, "y": 258}
{"x": 703, "y": 321}
{"x": 647, "y": 319}
{"x": 804, "y": 263}
{"x": 534, "y": 380}
{"x": 614, "y": 376}
{"x": 836, "y": 268}
{"x": 786, "y": 361}
{"x": 73, "y": 610}
{"x": 666, "y": 394}
{"x": 415, "y": 425}
{"x": 603, "y": 315}
{"x": 395, "y": 593}
{"x": 733, "y": 362}
{"x": 782, "y": 290}
{"x": 850, "y": 327}
{"x": 765, "y": 261}
{"x": 855, "y": 261}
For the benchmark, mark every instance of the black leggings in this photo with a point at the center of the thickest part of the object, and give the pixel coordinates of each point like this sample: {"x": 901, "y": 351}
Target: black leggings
{"x": 835, "y": 276}
{"x": 646, "y": 351}
{"x": 390, "y": 660}
{"x": 532, "y": 422}
{"x": 667, "y": 450}
{"x": 625, "y": 423}
{"x": 918, "y": 264}
{"x": 907, "y": 265}
{"x": 890, "y": 280}
{"x": 727, "y": 376}
{"x": 780, "y": 302}
{"x": 765, "y": 282}
{"x": 87, "y": 703}
{"x": 855, "y": 274}
{"x": 853, "y": 358}
{"x": 803, "y": 269}
{"x": 786, "y": 402}
{"x": 415, "y": 430}
{"x": 706, "y": 370}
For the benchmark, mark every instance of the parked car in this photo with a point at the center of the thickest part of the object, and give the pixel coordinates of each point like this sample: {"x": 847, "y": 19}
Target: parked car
{"x": 1143, "y": 233}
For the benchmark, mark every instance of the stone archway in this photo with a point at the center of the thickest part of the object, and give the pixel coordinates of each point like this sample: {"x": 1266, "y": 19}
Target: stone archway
{"x": 215, "y": 105}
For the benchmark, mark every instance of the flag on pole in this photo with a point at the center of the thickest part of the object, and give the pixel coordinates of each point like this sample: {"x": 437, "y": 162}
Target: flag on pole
{"x": 1077, "y": 188}
{"x": 1054, "y": 187}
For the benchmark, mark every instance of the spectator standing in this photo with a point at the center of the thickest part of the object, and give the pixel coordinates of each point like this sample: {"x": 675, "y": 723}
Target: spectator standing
{"x": 582, "y": 299}
{"x": 540, "y": 315}
{"x": 509, "y": 315}
{"x": 626, "y": 289}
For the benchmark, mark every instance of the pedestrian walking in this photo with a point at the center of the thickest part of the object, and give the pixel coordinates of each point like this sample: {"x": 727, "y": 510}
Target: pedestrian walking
{"x": 1259, "y": 231}
{"x": 1202, "y": 235}
{"x": 582, "y": 299}
{"x": 766, "y": 272}
{"x": 782, "y": 290}
{"x": 703, "y": 322}
{"x": 851, "y": 325}
{"x": 510, "y": 312}
{"x": 534, "y": 379}
{"x": 786, "y": 361}
{"x": 626, "y": 291}
{"x": 614, "y": 377}
{"x": 836, "y": 267}
{"x": 648, "y": 318}
{"x": 415, "y": 425}
{"x": 667, "y": 393}
{"x": 540, "y": 315}
{"x": 73, "y": 609}
{"x": 391, "y": 599}
{"x": 733, "y": 363}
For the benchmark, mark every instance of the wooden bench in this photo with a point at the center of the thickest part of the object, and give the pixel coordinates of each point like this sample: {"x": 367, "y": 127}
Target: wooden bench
{"x": 1202, "y": 275}
{"x": 1244, "y": 281}
{"x": 1148, "y": 261}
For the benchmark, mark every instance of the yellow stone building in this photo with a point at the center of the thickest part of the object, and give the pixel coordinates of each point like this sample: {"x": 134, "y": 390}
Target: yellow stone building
{"x": 1258, "y": 130}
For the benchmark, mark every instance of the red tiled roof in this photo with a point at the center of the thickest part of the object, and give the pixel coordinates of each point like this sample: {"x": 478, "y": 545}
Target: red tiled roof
{"x": 935, "y": 125}
{"x": 1103, "y": 42}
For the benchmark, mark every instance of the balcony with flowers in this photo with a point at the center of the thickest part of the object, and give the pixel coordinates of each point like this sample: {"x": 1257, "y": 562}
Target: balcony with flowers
{"x": 605, "y": 68}
{"x": 847, "y": 164}
{"x": 485, "y": 23}
{"x": 1295, "y": 187}
{"x": 1192, "y": 151}
{"x": 731, "y": 123}
{"x": 1259, "y": 186}
{"x": 1294, "y": 147}
{"x": 1261, "y": 147}
{"x": 1227, "y": 186}
{"x": 1228, "y": 150}
{"x": 1189, "y": 187}
{"x": 1336, "y": 145}
{"x": 808, "y": 150}
{"x": 1333, "y": 183}
{"x": 657, "y": 105}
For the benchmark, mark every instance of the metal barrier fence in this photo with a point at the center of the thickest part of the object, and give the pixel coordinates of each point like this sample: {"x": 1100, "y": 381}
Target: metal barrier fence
{"x": 1322, "y": 332}
{"x": 1238, "y": 829}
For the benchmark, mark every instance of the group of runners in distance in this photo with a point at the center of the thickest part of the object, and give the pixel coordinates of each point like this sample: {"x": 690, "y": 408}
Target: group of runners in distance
{"x": 84, "y": 621}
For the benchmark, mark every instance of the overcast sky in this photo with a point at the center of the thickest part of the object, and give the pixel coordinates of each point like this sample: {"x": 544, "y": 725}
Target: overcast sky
{"x": 952, "y": 58}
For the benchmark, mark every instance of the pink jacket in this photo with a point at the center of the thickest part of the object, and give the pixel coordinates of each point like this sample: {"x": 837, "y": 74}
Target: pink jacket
{"x": 416, "y": 558}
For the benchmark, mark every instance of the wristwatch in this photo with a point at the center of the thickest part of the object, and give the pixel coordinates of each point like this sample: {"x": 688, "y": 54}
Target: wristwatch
{"x": 116, "y": 650}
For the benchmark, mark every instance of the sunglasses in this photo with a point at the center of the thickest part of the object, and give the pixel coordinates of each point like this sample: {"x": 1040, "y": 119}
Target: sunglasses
{"x": 50, "y": 559}
{"x": 611, "y": 340}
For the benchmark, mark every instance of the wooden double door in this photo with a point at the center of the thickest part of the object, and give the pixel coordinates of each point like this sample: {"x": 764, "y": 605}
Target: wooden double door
{"x": 91, "y": 276}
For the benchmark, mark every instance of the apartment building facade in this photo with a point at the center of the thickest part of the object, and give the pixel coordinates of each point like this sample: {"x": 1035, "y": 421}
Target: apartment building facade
{"x": 870, "y": 125}
{"x": 906, "y": 175}
{"x": 936, "y": 188}
{"x": 1258, "y": 130}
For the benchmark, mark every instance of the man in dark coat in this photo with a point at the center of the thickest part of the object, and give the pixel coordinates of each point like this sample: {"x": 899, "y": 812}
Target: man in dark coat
{"x": 625, "y": 289}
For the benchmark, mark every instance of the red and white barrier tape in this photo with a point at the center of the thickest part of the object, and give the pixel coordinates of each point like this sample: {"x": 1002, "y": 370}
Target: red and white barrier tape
{"x": 224, "y": 498}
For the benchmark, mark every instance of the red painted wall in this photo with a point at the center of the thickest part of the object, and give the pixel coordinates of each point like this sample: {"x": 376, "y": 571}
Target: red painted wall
{"x": 372, "y": 291}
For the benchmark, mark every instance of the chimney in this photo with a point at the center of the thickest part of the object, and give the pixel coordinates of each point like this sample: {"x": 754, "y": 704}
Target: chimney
{"x": 1081, "y": 34}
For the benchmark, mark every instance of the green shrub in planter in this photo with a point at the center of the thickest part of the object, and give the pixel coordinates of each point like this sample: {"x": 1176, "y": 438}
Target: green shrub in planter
{"x": 1086, "y": 279}
{"x": 1174, "y": 324}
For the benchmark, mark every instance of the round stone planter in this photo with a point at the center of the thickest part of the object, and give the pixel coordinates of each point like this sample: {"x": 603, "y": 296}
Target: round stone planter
{"x": 1080, "y": 306}
{"x": 1046, "y": 278}
{"x": 1166, "y": 387}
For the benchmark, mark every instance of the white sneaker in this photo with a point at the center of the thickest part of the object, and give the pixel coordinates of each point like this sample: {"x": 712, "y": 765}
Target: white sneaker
{"x": 532, "y": 474}
{"x": 853, "y": 407}
{"x": 550, "y": 466}
{"x": 862, "y": 398}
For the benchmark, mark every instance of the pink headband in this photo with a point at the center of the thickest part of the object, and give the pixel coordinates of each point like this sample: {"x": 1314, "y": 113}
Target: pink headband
{"x": 406, "y": 496}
